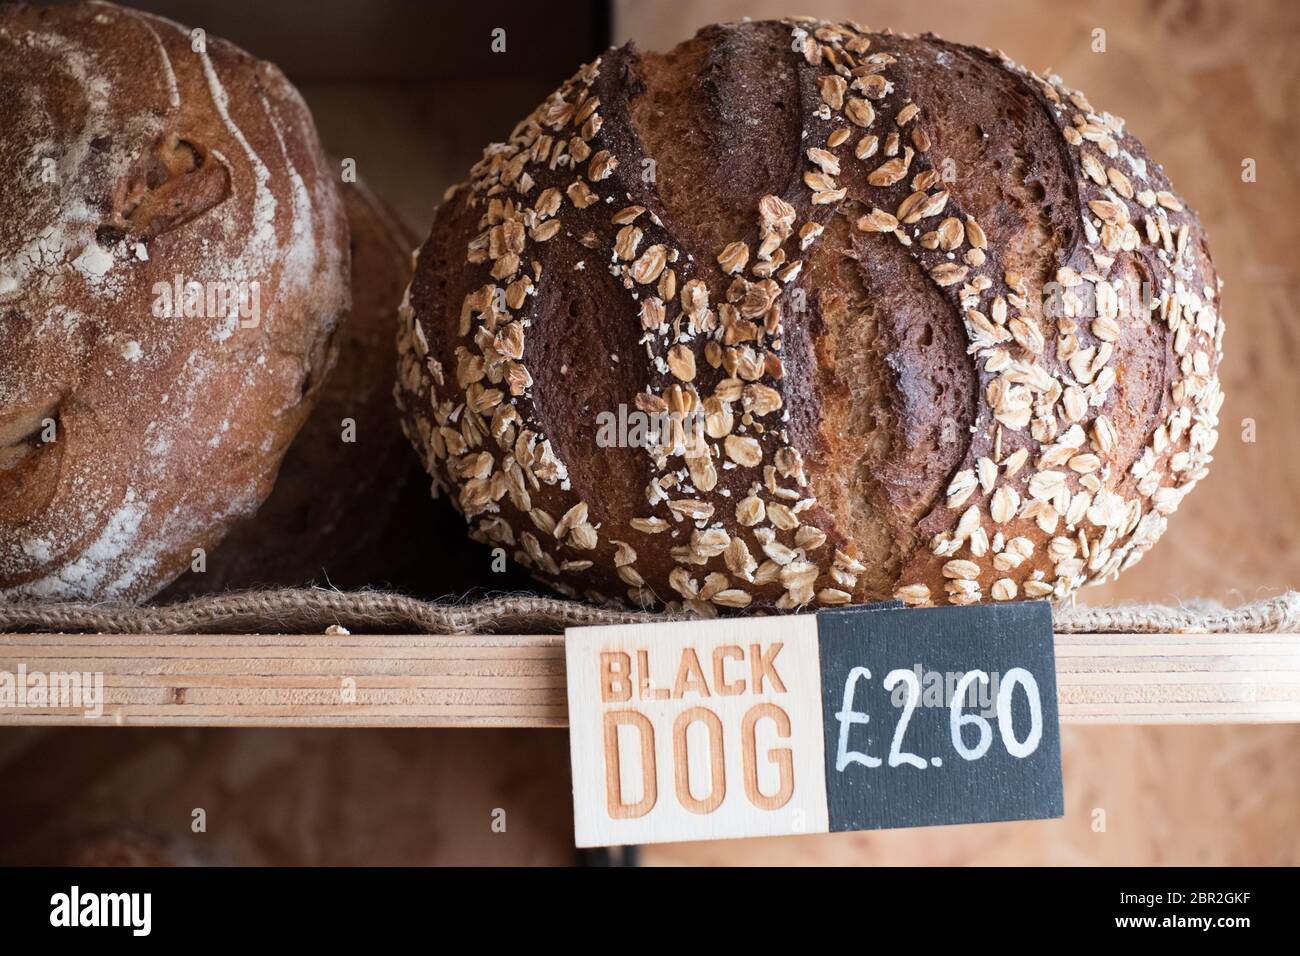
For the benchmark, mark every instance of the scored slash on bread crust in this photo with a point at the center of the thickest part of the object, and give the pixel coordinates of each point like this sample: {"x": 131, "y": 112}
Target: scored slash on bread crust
{"x": 839, "y": 249}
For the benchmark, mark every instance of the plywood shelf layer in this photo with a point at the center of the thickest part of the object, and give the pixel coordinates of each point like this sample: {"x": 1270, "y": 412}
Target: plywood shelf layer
{"x": 518, "y": 680}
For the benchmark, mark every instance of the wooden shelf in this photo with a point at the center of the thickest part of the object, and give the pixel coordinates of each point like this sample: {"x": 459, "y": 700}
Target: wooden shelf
{"x": 518, "y": 681}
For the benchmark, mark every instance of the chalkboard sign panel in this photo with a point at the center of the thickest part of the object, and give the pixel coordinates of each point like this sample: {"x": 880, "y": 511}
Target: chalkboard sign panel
{"x": 942, "y": 715}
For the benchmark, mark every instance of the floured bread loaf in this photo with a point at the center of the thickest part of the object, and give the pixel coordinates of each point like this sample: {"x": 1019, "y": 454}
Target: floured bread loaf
{"x": 924, "y": 324}
{"x": 173, "y": 265}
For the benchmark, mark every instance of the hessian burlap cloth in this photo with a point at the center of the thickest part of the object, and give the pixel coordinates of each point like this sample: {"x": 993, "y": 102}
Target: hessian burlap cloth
{"x": 312, "y": 610}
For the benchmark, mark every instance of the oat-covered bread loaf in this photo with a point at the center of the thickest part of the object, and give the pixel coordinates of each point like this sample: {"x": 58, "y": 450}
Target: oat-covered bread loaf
{"x": 926, "y": 324}
{"x": 173, "y": 264}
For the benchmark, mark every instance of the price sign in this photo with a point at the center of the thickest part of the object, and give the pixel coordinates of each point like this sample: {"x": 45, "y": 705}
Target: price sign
{"x": 845, "y": 720}
{"x": 945, "y": 715}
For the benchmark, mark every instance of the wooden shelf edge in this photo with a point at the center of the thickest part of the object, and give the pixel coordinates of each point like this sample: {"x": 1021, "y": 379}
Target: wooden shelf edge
{"x": 423, "y": 680}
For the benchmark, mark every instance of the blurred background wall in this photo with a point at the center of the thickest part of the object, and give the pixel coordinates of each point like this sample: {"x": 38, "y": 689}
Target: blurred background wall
{"x": 413, "y": 93}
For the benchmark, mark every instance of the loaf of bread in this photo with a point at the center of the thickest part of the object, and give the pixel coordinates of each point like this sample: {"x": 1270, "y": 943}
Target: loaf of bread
{"x": 173, "y": 266}
{"x": 912, "y": 321}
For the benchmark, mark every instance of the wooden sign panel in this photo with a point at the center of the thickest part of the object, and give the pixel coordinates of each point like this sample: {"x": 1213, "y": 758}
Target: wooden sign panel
{"x": 852, "y": 719}
{"x": 695, "y": 731}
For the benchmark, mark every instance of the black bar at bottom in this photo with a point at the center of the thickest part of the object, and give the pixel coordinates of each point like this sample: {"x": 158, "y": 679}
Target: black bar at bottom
{"x": 580, "y": 907}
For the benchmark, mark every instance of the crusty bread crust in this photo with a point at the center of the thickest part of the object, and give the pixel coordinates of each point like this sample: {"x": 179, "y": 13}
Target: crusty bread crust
{"x": 136, "y": 425}
{"x": 901, "y": 279}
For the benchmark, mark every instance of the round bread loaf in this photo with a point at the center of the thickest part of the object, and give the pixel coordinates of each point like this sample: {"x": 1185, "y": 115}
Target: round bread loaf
{"x": 922, "y": 323}
{"x": 173, "y": 265}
